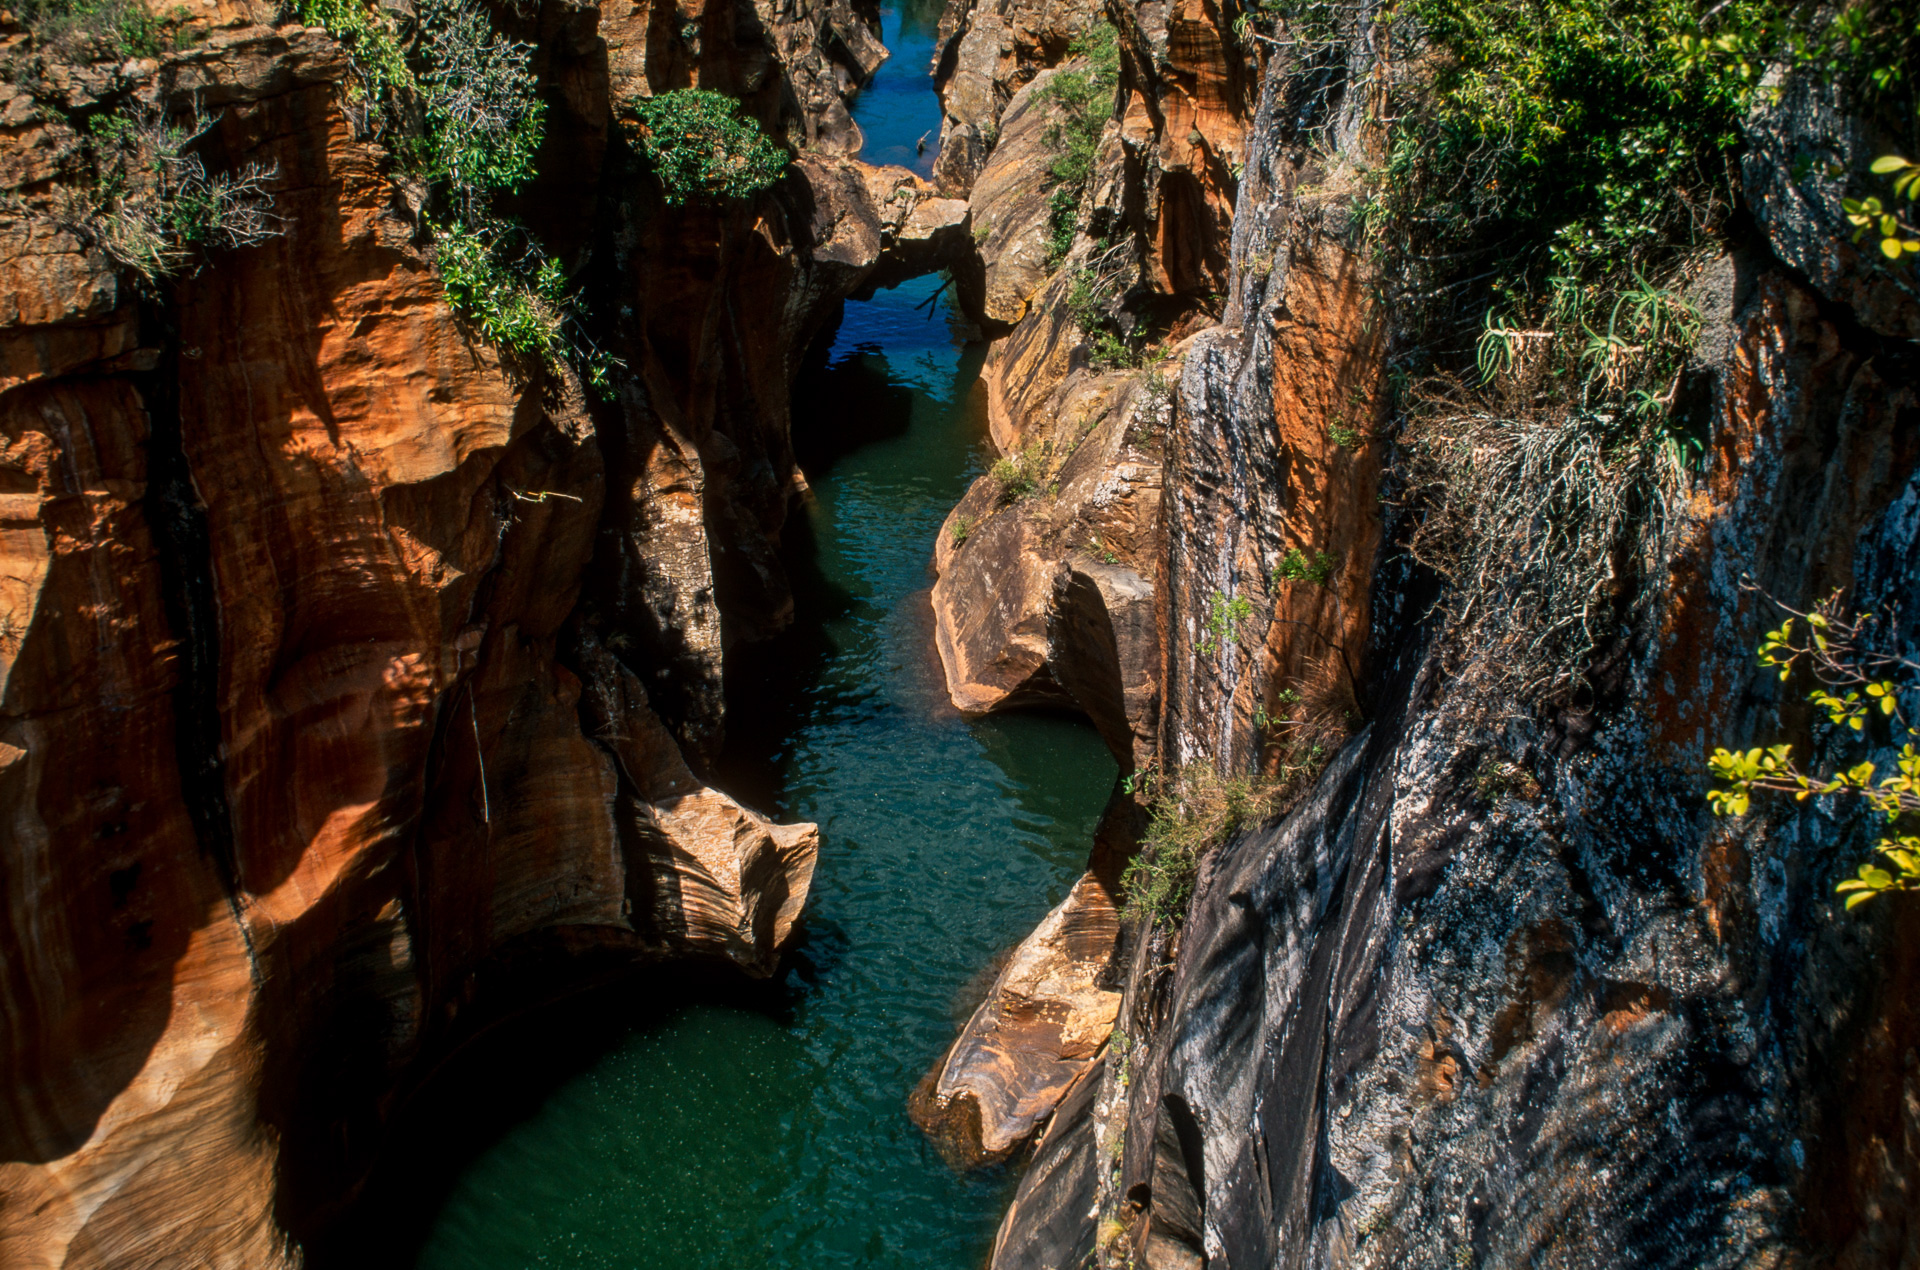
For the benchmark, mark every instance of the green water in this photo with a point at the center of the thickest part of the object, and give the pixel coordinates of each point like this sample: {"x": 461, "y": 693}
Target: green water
{"x": 685, "y": 1121}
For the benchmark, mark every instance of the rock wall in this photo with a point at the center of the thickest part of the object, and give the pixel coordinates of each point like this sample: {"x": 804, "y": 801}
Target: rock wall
{"x": 343, "y": 667}
{"x": 1051, "y": 581}
{"x": 1049, "y": 594}
{"x": 1499, "y": 989}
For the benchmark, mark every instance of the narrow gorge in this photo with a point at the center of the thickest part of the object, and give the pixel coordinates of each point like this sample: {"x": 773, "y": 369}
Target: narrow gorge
{"x": 1033, "y": 636}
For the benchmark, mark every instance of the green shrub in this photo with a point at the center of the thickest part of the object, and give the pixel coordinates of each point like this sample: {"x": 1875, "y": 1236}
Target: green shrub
{"x": 702, "y": 145}
{"x": 517, "y": 304}
{"x": 484, "y": 114}
{"x": 464, "y": 103}
{"x": 1853, "y": 681}
{"x": 1084, "y": 97}
{"x": 1019, "y": 475}
{"x": 1898, "y": 237}
{"x": 1578, "y": 135}
{"x": 374, "y": 52}
{"x": 1295, "y": 567}
{"x": 1222, "y": 622}
{"x": 1593, "y": 143}
{"x": 1195, "y": 813}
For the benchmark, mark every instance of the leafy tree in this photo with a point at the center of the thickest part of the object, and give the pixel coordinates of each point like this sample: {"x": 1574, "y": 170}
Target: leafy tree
{"x": 484, "y": 113}
{"x": 702, "y": 145}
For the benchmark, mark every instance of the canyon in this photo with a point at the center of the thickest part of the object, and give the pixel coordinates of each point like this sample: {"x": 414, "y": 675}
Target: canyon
{"x": 365, "y": 692}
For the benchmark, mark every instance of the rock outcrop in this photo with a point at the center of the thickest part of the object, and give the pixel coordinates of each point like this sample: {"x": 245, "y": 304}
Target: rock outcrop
{"x": 1043, "y": 1021}
{"x": 1051, "y": 587}
{"x": 1012, "y": 212}
{"x": 1498, "y": 989}
{"x": 1040, "y": 598}
{"x": 987, "y": 52}
{"x": 342, "y": 664}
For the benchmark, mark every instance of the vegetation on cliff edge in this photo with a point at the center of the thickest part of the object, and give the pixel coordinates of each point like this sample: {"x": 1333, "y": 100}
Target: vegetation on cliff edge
{"x": 1554, "y": 178}
{"x": 703, "y": 146}
{"x": 459, "y": 104}
{"x": 1082, "y": 95}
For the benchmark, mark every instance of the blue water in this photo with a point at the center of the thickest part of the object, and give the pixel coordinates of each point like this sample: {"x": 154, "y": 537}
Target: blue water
{"x": 683, "y": 1121}
{"x": 899, "y": 110}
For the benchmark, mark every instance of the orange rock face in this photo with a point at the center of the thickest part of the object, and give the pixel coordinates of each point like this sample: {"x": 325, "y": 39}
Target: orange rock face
{"x": 1275, "y": 469}
{"x": 332, "y": 649}
{"x": 1187, "y": 99}
{"x": 1041, "y": 1025}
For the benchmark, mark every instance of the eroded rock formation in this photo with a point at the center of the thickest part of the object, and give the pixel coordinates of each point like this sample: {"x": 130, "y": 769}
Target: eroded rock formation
{"x": 1051, "y": 578}
{"x": 1046, "y": 1016}
{"x": 1498, "y": 989}
{"x": 343, "y": 664}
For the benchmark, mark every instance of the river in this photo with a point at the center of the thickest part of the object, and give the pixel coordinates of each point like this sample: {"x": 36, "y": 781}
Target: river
{"x": 691, "y": 1121}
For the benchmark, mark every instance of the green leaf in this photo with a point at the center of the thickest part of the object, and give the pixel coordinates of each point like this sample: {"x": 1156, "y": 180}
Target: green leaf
{"x": 1888, "y": 163}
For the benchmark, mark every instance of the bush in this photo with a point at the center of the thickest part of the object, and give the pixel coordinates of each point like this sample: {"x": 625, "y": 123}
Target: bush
{"x": 484, "y": 114}
{"x": 1295, "y": 567}
{"x": 150, "y": 202}
{"x": 1579, "y": 136}
{"x": 1594, "y": 142}
{"x": 517, "y": 303}
{"x": 1019, "y": 475}
{"x": 1091, "y": 301}
{"x": 1222, "y": 623}
{"x": 1200, "y": 811}
{"x": 1084, "y": 96}
{"x": 466, "y": 104}
{"x": 702, "y": 145}
{"x": 374, "y": 53}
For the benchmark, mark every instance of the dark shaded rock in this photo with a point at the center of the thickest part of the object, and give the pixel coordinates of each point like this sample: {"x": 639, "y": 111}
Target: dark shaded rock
{"x": 1047, "y": 1225}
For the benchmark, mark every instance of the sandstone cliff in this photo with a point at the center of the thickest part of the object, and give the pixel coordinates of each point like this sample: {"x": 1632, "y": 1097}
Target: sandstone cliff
{"x": 1049, "y": 587}
{"x": 344, "y": 666}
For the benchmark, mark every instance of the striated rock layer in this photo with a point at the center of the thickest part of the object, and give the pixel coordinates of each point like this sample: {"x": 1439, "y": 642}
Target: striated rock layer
{"x": 342, "y": 665}
{"x": 1498, "y": 989}
{"x": 1051, "y": 586}
{"x": 1043, "y": 1021}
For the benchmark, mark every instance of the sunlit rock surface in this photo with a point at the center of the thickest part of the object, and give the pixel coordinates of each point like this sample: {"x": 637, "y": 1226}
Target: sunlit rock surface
{"x": 1044, "y": 1019}
{"x": 346, "y": 671}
